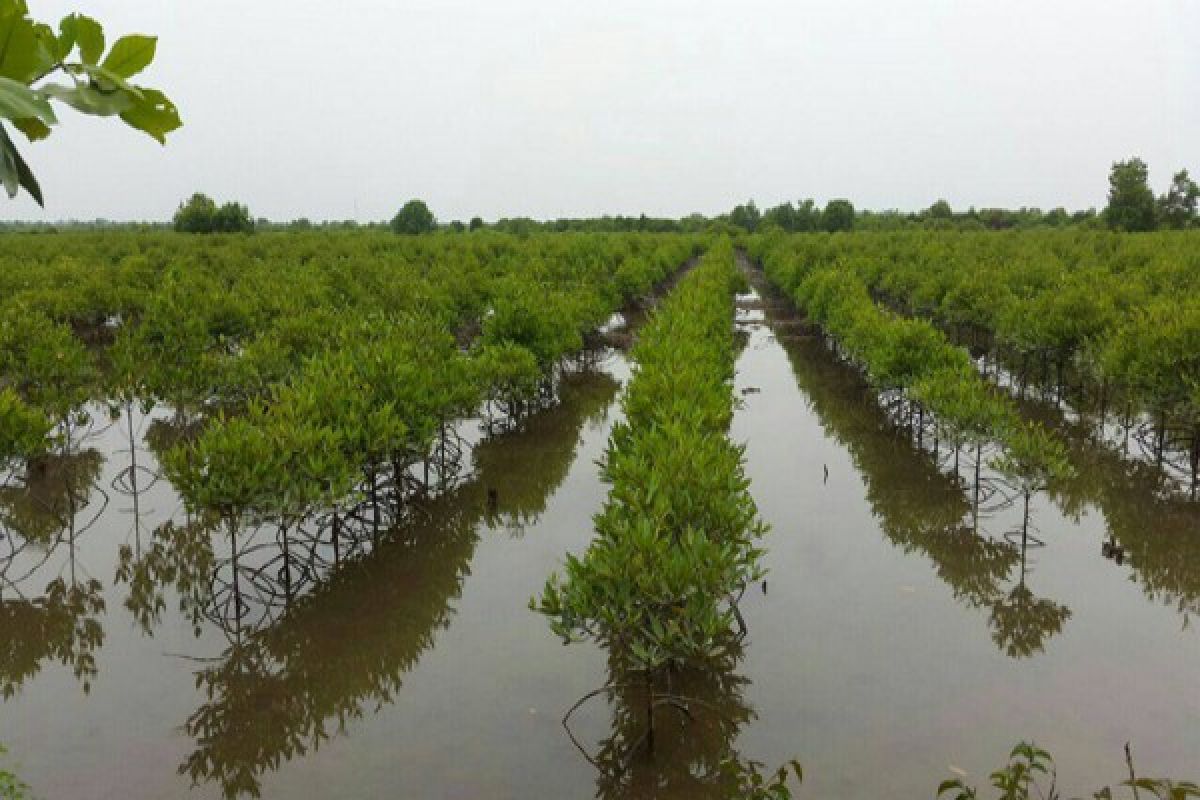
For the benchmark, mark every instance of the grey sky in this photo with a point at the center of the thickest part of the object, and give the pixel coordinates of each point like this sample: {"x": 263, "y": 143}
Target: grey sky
{"x": 561, "y": 108}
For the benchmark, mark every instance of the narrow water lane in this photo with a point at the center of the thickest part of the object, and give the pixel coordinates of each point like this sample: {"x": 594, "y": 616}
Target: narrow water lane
{"x": 893, "y": 634}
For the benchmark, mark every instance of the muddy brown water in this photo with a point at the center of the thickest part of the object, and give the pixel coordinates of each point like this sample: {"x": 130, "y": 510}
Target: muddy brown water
{"x": 896, "y": 639}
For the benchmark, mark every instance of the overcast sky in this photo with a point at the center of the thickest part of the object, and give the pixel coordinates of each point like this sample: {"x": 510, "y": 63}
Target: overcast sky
{"x": 345, "y": 109}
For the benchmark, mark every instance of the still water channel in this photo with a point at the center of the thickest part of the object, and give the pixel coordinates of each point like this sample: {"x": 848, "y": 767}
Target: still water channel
{"x": 900, "y": 634}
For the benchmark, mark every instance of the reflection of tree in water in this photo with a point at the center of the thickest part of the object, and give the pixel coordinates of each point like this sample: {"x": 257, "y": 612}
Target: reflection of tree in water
{"x": 1157, "y": 532}
{"x": 523, "y": 498}
{"x": 1153, "y": 529}
{"x": 1022, "y": 622}
{"x": 693, "y": 752}
{"x": 343, "y": 648}
{"x": 179, "y": 557}
{"x": 919, "y": 507}
{"x": 43, "y": 503}
{"x": 61, "y": 625}
{"x": 38, "y": 518}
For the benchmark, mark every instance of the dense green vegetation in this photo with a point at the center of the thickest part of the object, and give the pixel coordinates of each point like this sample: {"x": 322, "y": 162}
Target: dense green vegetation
{"x": 1108, "y": 322}
{"x": 913, "y": 360}
{"x": 676, "y": 540}
{"x": 676, "y": 544}
{"x": 315, "y": 380}
{"x": 317, "y": 376}
{"x": 374, "y": 341}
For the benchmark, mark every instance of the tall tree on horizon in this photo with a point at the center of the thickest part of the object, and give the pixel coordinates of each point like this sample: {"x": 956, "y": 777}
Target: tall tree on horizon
{"x": 1131, "y": 204}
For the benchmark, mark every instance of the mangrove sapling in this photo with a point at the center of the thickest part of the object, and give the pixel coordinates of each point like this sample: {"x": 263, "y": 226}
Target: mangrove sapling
{"x": 172, "y": 342}
{"x": 263, "y": 466}
{"x": 967, "y": 413}
{"x": 46, "y": 366}
{"x": 509, "y": 377}
{"x": 1032, "y": 459}
{"x": 313, "y": 476}
{"x": 544, "y": 322}
{"x": 24, "y": 431}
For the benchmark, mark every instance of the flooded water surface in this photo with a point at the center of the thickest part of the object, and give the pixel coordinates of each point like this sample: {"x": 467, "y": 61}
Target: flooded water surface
{"x": 912, "y": 622}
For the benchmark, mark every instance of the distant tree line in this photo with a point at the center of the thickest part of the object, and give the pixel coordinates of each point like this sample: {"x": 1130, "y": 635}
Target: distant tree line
{"x": 840, "y": 215}
{"x": 1132, "y": 206}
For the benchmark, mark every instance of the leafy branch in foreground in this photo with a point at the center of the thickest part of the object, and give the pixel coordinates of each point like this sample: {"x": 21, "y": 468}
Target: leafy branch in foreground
{"x": 96, "y": 83}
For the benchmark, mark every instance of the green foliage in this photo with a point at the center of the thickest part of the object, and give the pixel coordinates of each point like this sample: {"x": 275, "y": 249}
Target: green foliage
{"x": 676, "y": 538}
{"x": 1112, "y": 314}
{"x": 838, "y": 216}
{"x": 746, "y": 216}
{"x": 548, "y": 323}
{"x": 940, "y": 210}
{"x": 11, "y": 786}
{"x": 965, "y": 414}
{"x": 98, "y": 84}
{"x": 44, "y": 363}
{"x": 793, "y": 219}
{"x": 303, "y": 402}
{"x": 910, "y": 355}
{"x": 266, "y": 462}
{"x": 414, "y": 218}
{"x": 508, "y": 373}
{"x": 287, "y": 400}
{"x": 1030, "y": 772}
{"x": 754, "y": 784}
{"x": 1177, "y": 208}
{"x": 200, "y": 214}
{"x": 23, "y": 430}
{"x": 1155, "y": 354}
{"x": 1131, "y": 205}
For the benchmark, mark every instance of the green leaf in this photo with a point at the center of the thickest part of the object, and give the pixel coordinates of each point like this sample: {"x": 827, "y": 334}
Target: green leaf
{"x": 33, "y": 128}
{"x": 9, "y": 176}
{"x": 27, "y": 49}
{"x": 951, "y": 785}
{"x": 90, "y": 100}
{"x": 27, "y": 180}
{"x": 18, "y": 101}
{"x": 130, "y": 55}
{"x": 67, "y": 30}
{"x": 90, "y": 38}
{"x": 14, "y": 172}
{"x": 154, "y": 114}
